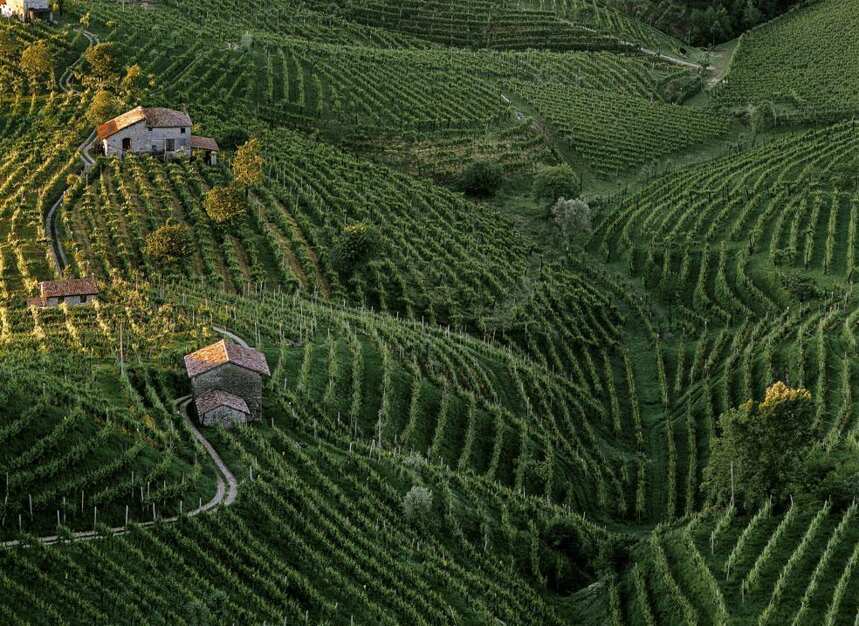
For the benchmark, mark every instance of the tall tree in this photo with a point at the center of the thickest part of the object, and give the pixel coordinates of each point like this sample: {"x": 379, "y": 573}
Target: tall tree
{"x": 102, "y": 108}
{"x": 248, "y": 163}
{"x": 761, "y": 447}
{"x": 36, "y": 61}
{"x": 101, "y": 61}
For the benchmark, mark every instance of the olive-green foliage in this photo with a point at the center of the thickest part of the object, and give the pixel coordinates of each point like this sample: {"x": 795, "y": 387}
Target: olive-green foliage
{"x": 224, "y": 204}
{"x": 169, "y": 243}
{"x": 761, "y": 447}
{"x": 36, "y": 60}
{"x": 481, "y": 178}
{"x": 557, "y": 181}
{"x": 355, "y": 245}
{"x": 102, "y": 108}
{"x": 101, "y": 61}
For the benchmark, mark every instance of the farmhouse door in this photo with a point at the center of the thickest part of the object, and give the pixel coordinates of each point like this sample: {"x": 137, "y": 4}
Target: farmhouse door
{"x": 126, "y": 144}
{"x": 171, "y": 145}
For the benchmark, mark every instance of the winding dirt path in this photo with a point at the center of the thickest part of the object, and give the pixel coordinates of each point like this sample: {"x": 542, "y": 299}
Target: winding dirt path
{"x": 51, "y": 231}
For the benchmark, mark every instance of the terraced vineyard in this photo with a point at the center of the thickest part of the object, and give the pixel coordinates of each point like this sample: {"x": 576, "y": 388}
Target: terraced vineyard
{"x": 795, "y": 61}
{"x": 521, "y": 271}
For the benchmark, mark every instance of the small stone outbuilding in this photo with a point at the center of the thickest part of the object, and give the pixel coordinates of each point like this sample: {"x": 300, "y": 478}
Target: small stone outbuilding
{"x": 74, "y": 291}
{"x": 226, "y": 366}
{"x": 207, "y": 146}
{"x": 220, "y": 408}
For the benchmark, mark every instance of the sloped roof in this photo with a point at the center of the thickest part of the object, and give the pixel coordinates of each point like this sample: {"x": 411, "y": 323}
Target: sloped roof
{"x": 155, "y": 118}
{"x": 166, "y": 118}
{"x": 204, "y": 143}
{"x": 218, "y": 354}
{"x": 72, "y": 287}
{"x": 216, "y": 398}
{"x": 129, "y": 118}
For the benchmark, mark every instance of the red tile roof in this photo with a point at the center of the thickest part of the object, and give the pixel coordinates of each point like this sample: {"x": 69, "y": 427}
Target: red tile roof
{"x": 72, "y": 287}
{"x": 204, "y": 143}
{"x": 155, "y": 118}
{"x": 218, "y": 354}
{"x": 125, "y": 120}
{"x": 216, "y": 398}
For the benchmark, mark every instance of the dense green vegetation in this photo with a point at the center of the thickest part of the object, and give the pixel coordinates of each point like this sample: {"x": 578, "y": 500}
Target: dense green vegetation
{"x": 527, "y": 276}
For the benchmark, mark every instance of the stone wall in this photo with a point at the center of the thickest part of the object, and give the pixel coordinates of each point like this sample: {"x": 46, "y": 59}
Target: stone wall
{"x": 236, "y": 380}
{"x": 70, "y": 300}
{"x": 146, "y": 141}
{"x": 223, "y": 416}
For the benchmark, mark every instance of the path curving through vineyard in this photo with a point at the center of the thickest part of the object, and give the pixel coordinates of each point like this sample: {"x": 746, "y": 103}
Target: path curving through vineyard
{"x": 225, "y": 494}
{"x": 60, "y": 260}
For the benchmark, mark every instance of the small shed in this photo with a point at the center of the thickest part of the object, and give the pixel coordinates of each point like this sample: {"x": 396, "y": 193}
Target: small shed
{"x": 220, "y": 408}
{"x": 226, "y": 366}
{"x": 74, "y": 291}
{"x": 206, "y": 145}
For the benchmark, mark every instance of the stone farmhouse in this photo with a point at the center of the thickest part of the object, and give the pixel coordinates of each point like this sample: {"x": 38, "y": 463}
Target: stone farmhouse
{"x": 26, "y": 10}
{"x": 73, "y": 292}
{"x": 164, "y": 132}
{"x": 231, "y": 368}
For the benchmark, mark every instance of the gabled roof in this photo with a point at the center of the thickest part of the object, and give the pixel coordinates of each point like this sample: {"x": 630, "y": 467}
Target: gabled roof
{"x": 218, "y": 354}
{"x": 216, "y": 398}
{"x": 204, "y": 143}
{"x": 72, "y": 287}
{"x": 154, "y": 117}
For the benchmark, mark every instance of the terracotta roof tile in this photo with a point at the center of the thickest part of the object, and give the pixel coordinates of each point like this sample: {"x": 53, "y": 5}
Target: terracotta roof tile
{"x": 72, "y": 287}
{"x": 129, "y": 118}
{"x": 155, "y": 118}
{"x": 217, "y": 398}
{"x": 204, "y": 143}
{"x": 217, "y": 354}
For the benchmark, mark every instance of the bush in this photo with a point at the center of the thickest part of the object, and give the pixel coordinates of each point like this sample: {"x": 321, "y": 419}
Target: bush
{"x": 572, "y": 217}
{"x": 417, "y": 504}
{"x": 168, "y": 244}
{"x": 232, "y": 138}
{"x": 481, "y": 178}
{"x": 356, "y": 244}
{"x": 224, "y": 204}
{"x": 557, "y": 181}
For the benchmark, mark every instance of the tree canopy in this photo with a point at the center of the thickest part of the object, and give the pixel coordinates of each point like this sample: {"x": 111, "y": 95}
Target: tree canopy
{"x": 247, "y": 164}
{"x": 761, "y": 447}
{"x": 168, "y": 244}
{"x": 36, "y": 61}
{"x": 224, "y": 204}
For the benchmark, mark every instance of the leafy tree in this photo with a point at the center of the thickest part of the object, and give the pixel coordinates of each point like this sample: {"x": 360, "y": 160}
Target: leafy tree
{"x": 572, "y": 217}
{"x": 102, "y": 108}
{"x": 100, "y": 58}
{"x": 481, "y": 178}
{"x": 247, "y": 165}
{"x": 224, "y": 204}
{"x": 761, "y": 447}
{"x": 168, "y": 244}
{"x": 355, "y": 245}
{"x": 558, "y": 181}
{"x": 417, "y": 504}
{"x": 830, "y": 474}
{"x": 132, "y": 80}
{"x": 36, "y": 61}
{"x": 752, "y": 15}
{"x": 233, "y": 137}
